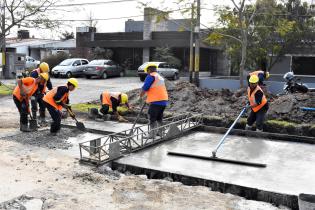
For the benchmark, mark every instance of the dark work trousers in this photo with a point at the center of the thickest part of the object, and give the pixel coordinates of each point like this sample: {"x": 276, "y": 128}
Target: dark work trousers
{"x": 38, "y": 100}
{"x": 259, "y": 117}
{"x": 56, "y": 117}
{"x": 104, "y": 109}
{"x": 23, "y": 110}
{"x": 156, "y": 113}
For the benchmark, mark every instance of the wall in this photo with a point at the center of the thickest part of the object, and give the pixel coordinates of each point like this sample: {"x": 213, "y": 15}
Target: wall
{"x": 282, "y": 66}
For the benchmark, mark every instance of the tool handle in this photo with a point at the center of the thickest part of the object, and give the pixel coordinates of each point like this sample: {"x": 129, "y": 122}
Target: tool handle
{"x": 138, "y": 116}
{"x": 227, "y": 133}
{"x": 72, "y": 114}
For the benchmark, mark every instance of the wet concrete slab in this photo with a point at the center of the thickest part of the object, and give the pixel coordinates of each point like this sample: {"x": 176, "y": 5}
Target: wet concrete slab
{"x": 290, "y": 166}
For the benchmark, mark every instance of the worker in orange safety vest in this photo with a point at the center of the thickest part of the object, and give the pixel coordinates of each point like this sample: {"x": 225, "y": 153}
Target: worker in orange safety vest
{"x": 157, "y": 98}
{"x": 21, "y": 95}
{"x": 258, "y": 104}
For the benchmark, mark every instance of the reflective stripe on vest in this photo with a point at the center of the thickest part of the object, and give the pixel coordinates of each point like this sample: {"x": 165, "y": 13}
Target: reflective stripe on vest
{"x": 252, "y": 101}
{"x": 157, "y": 91}
{"x": 257, "y": 73}
{"x": 29, "y": 86}
{"x": 106, "y": 97}
{"x": 49, "y": 98}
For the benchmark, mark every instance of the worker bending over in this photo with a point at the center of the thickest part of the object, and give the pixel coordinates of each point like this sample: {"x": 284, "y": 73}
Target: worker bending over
{"x": 258, "y": 104}
{"x": 37, "y": 98}
{"x": 21, "y": 95}
{"x": 55, "y": 100}
{"x": 157, "y": 97}
{"x": 113, "y": 100}
{"x": 262, "y": 76}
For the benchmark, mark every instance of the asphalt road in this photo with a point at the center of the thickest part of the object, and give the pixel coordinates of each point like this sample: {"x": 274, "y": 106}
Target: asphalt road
{"x": 90, "y": 89}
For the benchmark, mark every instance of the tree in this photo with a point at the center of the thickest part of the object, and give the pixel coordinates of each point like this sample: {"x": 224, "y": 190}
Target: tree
{"x": 251, "y": 33}
{"x": 26, "y": 13}
{"x": 164, "y": 54}
{"x": 67, "y": 35}
{"x": 102, "y": 53}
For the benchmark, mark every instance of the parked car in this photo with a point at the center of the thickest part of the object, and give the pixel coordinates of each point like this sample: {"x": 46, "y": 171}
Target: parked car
{"x": 103, "y": 69}
{"x": 166, "y": 70}
{"x": 31, "y": 63}
{"x": 72, "y": 67}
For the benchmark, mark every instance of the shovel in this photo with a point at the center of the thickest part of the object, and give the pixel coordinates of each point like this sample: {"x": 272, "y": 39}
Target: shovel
{"x": 79, "y": 125}
{"x": 138, "y": 116}
{"x": 32, "y": 121}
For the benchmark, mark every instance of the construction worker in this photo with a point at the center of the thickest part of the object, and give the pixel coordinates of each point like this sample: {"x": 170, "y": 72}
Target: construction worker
{"x": 21, "y": 95}
{"x": 113, "y": 100}
{"x": 157, "y": 97}
{"x": 55, "y": 100}
{"x": 262, "y": 75}
{"x": 258, "y": 104}
{"x": 37, "y": 98}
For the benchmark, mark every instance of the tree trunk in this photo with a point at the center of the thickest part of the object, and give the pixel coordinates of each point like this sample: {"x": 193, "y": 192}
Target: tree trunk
{"x": 243, "y": 56}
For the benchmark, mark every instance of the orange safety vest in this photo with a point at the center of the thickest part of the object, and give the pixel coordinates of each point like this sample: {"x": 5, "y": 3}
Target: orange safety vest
{"x": 256, "y": 72}
{"x": 45, "y": 84}
{"x": 157, "y": 91}
{"x": 49, "y": 98}
{"x": 106, "y": 97}
{"x": 29, "y": 86}
{"x": 252, "y": 101}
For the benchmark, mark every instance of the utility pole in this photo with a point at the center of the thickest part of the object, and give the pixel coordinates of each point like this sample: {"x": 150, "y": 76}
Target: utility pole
{"x": 3, "y": 38}
{"x": 197, "y": 43}
{"x": 191, "y": 45}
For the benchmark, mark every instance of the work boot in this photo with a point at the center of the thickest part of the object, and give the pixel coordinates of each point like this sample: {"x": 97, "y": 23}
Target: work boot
{"x": 43, "y": 122}
{"x": 248, "y": 127}
{"x": 24, "y": 128}
{"x": 106, "y": 117}
{"x": 151, "y": 132}
{"x": 160, "y": 130}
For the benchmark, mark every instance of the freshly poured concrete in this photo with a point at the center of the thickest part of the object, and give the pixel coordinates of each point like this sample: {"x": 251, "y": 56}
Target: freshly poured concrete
{"x": 290, "y": 166}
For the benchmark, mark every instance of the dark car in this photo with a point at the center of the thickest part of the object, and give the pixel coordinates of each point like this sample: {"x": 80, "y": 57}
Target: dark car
{"x": 103, "y": 68}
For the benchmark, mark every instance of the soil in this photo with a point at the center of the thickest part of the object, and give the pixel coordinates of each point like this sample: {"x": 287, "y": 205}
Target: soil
{"x": 186, "y": 97}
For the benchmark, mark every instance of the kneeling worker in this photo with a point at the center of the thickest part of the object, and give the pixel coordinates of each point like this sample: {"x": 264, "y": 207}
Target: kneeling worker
{"x": 157, "y": 97}
{"x": 113, "y": 100}
{"x": 55, "y": 100}
{"x": 22, "y": 93}
{"x": 258, "y": 104}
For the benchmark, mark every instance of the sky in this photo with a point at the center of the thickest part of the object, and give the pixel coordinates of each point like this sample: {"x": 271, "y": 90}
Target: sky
{"x": 119, "y": 10}
{"x": 117, "y": 13}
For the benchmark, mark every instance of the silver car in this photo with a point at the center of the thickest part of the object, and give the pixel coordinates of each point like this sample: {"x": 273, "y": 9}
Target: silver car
{"x": 163, "y": 68}
{"x": 103, "y": 69}
{"x": 70, "y": 68}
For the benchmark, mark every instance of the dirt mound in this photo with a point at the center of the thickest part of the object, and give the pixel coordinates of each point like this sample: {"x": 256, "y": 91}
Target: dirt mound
{"x": 186, "y": 97}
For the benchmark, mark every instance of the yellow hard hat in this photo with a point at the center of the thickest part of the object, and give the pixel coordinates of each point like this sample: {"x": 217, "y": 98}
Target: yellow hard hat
{"x": 267, "y": 74}
{"x": 45, "y": 76}
{"x": 74, "y": 82}
{"x": 44, "y": 67}
{"x": 149, "y": 65}
{"x": 253, "y": 79}
{"x": 124, "y": 98}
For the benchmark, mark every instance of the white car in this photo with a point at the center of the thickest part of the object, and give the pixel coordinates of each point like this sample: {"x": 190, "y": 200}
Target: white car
{"x": 31, "y": 63}
{"x": 163, "y": 68}
{"x": 70, "y": 68}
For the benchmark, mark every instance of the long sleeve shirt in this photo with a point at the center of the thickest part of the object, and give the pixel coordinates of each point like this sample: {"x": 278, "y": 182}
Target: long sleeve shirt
{"x": 146, "y": 86}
